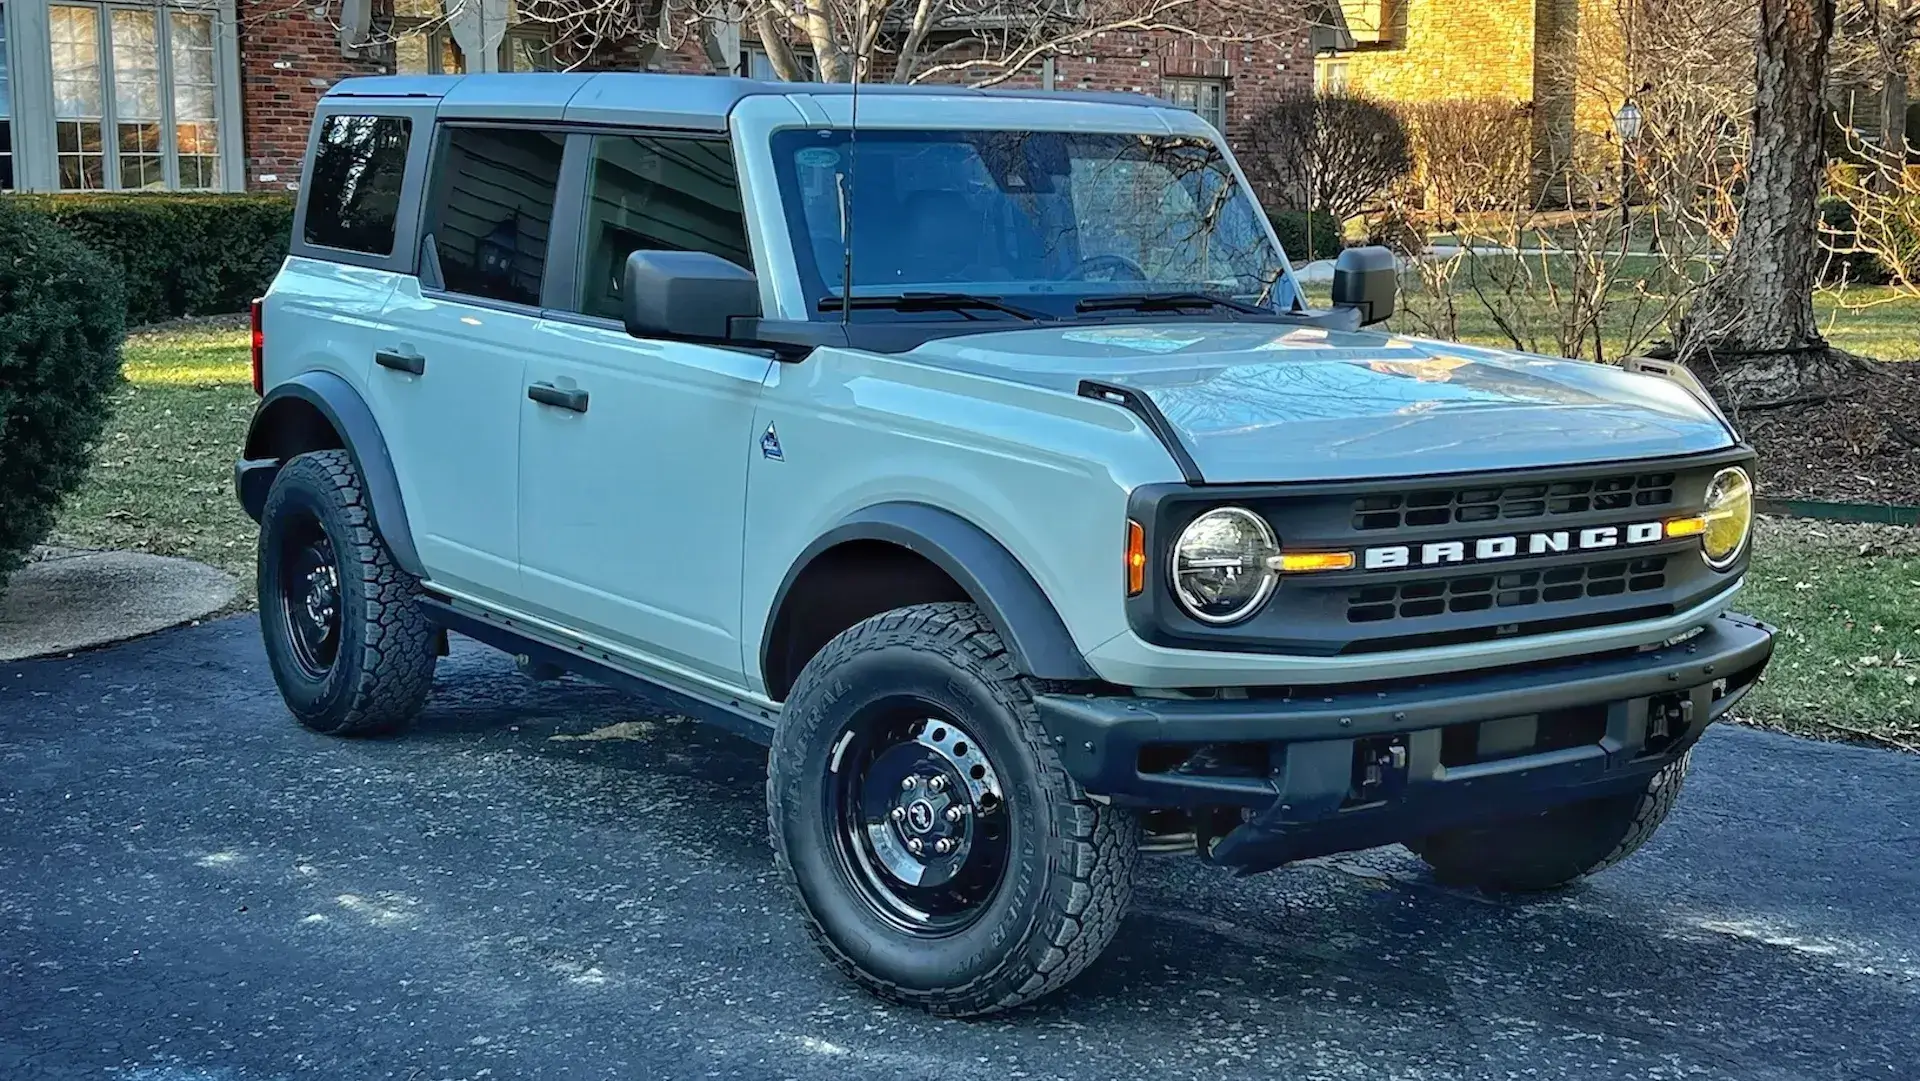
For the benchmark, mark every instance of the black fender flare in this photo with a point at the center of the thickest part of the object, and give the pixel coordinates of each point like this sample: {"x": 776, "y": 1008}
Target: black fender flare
{"x": 1036, "y": 637}
{"x": 359, "y": 434}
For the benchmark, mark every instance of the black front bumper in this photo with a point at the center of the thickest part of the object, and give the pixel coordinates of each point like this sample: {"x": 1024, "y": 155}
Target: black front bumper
{"x": 1339, "y": 768}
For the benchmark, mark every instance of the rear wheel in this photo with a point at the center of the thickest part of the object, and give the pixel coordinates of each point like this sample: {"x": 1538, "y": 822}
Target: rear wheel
{"x": 940, "y": 853}
{"x": 1554, "y": 849}
{"x": 351, "y": 652}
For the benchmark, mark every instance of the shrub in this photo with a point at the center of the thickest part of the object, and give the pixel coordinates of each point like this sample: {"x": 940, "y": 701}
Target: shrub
{"x": 1337, "y": 153}
{"x": 1292, "y": 227}
{"x": 1846, "y": 262}
{"x": 60, "y": 330}
{"x": 1473, "y": 154}
{"x": 180, "y": 254}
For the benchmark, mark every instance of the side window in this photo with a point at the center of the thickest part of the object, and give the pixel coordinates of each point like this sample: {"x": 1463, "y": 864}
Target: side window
{"x": 354, "y": 184}
{"x": 645, "y": 192}
{"x": 492, "y": 210}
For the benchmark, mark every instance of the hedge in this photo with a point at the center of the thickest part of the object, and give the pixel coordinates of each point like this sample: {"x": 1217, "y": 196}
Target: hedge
{"x": 1291, "y": 227}
{"x": 60, "y": 329}
{"x": 199, "y": 254}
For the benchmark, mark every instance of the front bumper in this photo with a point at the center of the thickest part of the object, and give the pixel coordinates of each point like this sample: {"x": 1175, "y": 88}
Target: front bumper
{"x": 1339, "y": 768}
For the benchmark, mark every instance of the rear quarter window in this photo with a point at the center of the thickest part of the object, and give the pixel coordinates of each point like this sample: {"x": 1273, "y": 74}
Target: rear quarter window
{"x": 353, "y": 200}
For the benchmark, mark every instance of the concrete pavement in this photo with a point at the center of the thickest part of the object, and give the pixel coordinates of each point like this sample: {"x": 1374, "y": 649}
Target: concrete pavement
{"x": 194, "y": 889}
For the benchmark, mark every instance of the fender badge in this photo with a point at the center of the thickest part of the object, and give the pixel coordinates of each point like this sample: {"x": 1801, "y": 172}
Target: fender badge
{"x": 770, "y": 446}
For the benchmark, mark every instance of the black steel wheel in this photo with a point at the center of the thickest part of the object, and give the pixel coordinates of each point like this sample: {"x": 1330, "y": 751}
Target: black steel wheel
{"x": 920, "y": 818}
{"x": 351, "y": 652}
{"x": 310, "y": 595}
{"x": 940, "y": 852}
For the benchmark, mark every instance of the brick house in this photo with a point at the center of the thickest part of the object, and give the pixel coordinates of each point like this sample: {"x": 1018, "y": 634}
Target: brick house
{"x": 121, "y": 95}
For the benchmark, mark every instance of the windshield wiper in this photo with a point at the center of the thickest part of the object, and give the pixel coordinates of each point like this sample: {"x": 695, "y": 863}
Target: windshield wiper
{"x": 931, "y": 302}
{"x": 1167, "y": 302}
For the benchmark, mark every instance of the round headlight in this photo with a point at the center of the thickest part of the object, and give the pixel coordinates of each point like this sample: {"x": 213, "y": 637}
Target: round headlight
{"x": 1220, "y": 570}
{"x": 1729, "y": 517}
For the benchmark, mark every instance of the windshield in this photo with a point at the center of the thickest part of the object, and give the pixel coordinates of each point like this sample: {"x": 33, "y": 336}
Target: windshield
{"x": 1036, "y": 215}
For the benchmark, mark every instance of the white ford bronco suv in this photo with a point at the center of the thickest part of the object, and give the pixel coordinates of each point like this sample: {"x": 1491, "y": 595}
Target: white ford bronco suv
{"x": 980, "y": 453}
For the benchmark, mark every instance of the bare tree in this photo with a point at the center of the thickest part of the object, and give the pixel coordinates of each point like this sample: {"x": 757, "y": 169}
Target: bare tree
{"x": 1876, "y": 42}
{"x": 1338, "y": 153}
{"x": 1754, "y": 325}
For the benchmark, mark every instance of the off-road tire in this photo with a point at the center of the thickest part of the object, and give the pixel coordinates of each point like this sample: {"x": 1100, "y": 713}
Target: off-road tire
{"x": 1069, "y": 874}
{"x": 1547, "y": 851}
{"x": 383, "y": 667}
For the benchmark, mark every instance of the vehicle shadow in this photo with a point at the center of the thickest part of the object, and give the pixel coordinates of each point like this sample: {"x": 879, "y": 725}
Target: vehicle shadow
{"x": 1650, "y": 963}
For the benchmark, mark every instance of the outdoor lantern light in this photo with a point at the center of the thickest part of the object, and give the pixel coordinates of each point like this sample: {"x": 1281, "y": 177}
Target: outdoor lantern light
{"x": 1627, "y": 120}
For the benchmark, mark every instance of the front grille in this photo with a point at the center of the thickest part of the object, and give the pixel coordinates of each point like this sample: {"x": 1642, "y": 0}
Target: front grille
{"x": 1515, "y": 589}
{"x": 1462, "y": 506}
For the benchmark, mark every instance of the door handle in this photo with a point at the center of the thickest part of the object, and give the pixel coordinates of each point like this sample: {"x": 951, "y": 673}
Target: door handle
{"x": 400, "y": 361}
{"x": 548, "y": 394}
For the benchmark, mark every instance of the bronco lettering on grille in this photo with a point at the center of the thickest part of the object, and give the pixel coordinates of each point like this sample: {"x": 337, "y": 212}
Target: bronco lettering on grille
{"x": 1493, "y": 549}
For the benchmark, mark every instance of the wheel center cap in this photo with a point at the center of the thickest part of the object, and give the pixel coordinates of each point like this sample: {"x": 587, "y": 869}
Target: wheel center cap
{"x": 920, "y": 815}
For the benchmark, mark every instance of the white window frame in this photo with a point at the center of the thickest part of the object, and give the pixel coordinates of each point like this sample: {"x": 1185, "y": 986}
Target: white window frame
{"x": 36, "y": 161}
{"x": 809, "y": 66}
{"x": 1169, "y": 83}
{"x": 6, "y": 104}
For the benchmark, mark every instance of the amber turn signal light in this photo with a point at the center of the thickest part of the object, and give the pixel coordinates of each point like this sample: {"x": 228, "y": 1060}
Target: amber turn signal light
{"x": 1136, "y": 559}
{"x": 1309, "y": 562}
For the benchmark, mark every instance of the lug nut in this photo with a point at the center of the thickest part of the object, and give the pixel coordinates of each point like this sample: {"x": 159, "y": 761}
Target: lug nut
{"x": 956, "y": 813}
{"x": 938, "y": 784}
{"x": 943, "y": 846}
{"x": 897, "y": 813}
{"x": 907, "y": 783}
{"x": 914, "y": 846}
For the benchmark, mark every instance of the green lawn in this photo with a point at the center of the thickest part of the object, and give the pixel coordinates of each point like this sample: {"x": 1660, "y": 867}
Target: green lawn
{"x": 1849, "y": 653}
{"x": 162, "y": 480}
{"x": 1879, "y": 322}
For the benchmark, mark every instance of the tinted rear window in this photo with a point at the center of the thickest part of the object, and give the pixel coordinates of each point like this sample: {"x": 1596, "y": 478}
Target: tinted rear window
{"x": 354, "y": 184}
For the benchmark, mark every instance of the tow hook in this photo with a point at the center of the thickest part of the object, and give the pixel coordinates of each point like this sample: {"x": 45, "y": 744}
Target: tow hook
{"x": 1668, "y": 716}
{"x": 1379, "y": 769}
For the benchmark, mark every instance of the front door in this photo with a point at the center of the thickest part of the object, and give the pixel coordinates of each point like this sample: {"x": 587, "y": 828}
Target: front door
{"x": 634, "y": 453}
{"x": 449, "y": 381}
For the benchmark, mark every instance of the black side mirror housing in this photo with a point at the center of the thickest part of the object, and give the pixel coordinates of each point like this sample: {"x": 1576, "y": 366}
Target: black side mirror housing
{"x": 1367, "y": 280}
{"x": 686, "y": 294}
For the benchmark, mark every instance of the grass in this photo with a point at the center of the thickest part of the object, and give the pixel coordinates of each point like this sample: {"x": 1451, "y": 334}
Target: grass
{"x": 1847, "y": 660}
{"x": 1880, "y": 322}
{"x": 162, "y": 479}
{"x": 1847, "y": 666}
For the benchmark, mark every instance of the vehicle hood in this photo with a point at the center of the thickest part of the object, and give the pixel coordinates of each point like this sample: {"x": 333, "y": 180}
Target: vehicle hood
{"x": 1276, "y": 402}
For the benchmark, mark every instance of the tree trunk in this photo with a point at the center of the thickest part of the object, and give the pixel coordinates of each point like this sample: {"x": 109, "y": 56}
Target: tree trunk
{"x": 1754, "y": 323}
{"x": 1893, "y": 117}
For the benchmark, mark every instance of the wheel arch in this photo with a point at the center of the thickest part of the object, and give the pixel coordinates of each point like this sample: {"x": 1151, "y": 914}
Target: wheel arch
{"x": 319, "y": 410}
{"x": 924, "y": 554}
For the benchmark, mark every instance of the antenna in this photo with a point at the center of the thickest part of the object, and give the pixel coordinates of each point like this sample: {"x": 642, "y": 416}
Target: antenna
{"x": 848, "y": 181}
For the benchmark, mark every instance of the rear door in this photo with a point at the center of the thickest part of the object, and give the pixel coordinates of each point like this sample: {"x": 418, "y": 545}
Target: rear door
{"x": 633, "y": 453}
{"x": 449, "y": 377}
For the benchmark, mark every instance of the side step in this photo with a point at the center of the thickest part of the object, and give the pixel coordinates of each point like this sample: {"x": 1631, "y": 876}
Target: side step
{"x": 539, "y": 652}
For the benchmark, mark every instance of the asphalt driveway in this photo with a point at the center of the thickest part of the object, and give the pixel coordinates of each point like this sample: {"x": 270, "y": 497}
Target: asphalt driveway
{"x": 192, "y": 888}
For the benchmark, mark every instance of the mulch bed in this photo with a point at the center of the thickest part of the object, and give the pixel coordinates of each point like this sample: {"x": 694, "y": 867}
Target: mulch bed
{"x": 1857, "y": 443}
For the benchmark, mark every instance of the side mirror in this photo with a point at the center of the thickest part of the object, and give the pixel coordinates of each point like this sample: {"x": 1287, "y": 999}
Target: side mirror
{"x": 686, "y": 294}
{"x": 1368, "y": 280}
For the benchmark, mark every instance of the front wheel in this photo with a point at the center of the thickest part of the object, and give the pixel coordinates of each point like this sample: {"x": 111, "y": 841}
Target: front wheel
{"x": 1550, "y": 850}
{"x": 940, "y": 853}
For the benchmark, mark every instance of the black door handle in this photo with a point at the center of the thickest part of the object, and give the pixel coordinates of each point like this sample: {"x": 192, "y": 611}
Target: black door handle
{"x": 548, "y": 394}
{"x": 411, "y": 363}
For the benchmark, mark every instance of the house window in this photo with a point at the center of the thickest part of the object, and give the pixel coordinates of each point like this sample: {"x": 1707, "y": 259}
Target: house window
{"x": 1334, "y": 75}
{"x": 135, "y": 98}
{"x": 6, "y": 111}
{"x": 1208, "y": 97}
{"x": 756, "y": 64}
{"x": 423, "y": 42}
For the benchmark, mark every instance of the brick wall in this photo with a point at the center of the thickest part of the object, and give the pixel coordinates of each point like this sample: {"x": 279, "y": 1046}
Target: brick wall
{"x": 289, "y": 56}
